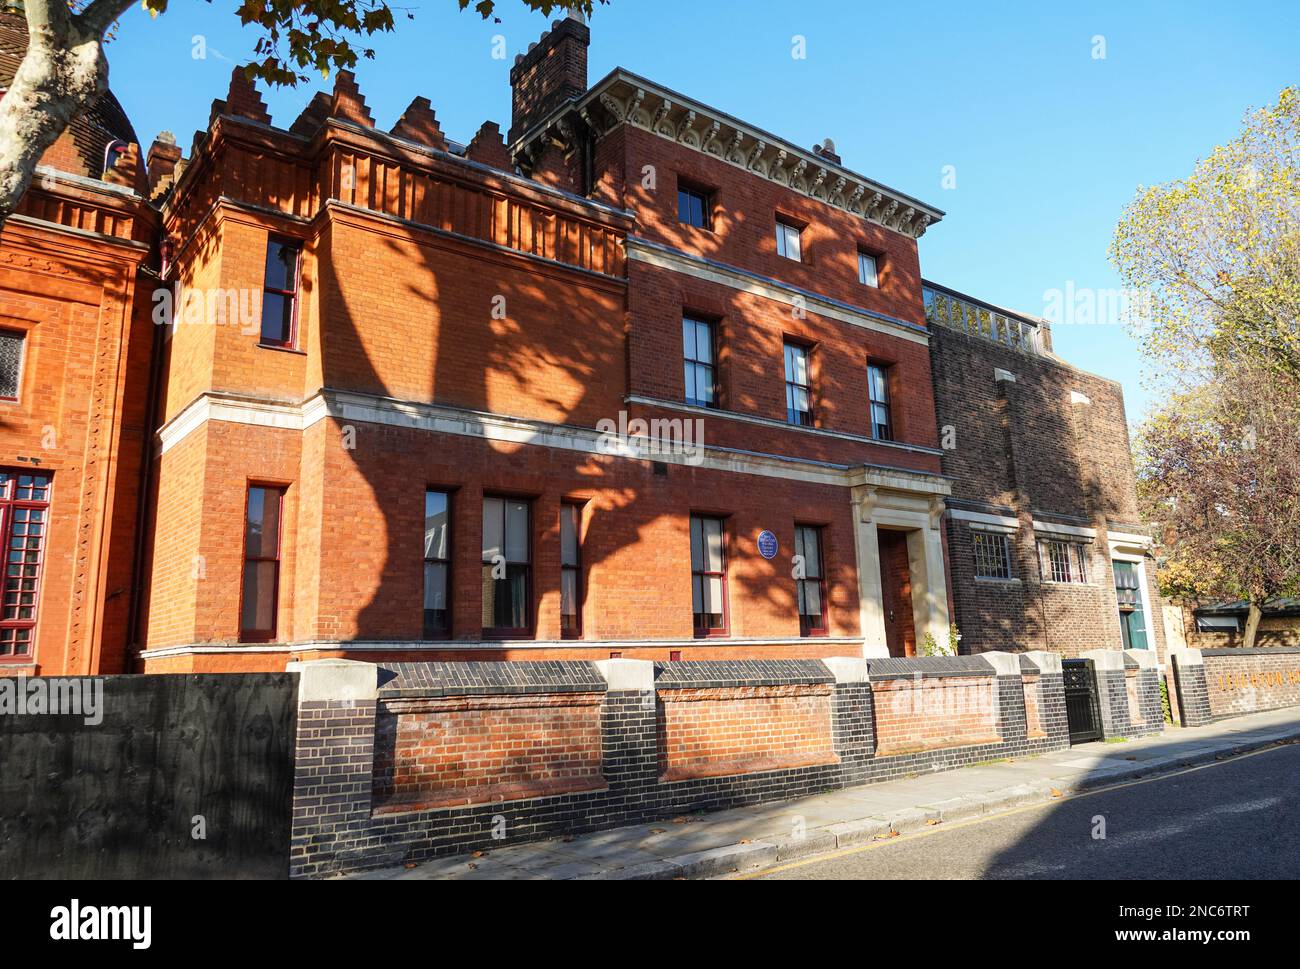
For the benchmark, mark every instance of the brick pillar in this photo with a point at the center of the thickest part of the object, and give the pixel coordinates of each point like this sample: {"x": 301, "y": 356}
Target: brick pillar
{"x": 853, "y": 718}
{"x": 1193, "y": 690}
{"x": 333, "y": 764}
{"x": 1051, "y": 697}
{"x": 1010, "y": 700}
{"x": 1112, "y": 692}
{"x": 1153, "y": 711}
{"x": 629, "y": 739}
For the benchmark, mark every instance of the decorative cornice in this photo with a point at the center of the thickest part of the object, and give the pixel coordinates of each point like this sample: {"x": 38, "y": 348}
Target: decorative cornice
{"x": 625, "y": 98}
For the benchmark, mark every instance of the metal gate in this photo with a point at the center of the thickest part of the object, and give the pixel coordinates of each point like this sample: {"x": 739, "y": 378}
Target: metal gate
{"x": 1081, "y": 707}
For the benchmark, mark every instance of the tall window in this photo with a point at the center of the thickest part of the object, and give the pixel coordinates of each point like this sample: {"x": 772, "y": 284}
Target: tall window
{"x": 261, "y": 563}
{"x": 694, "y": 207}
{"x": 507, "y": 567}
{"x": 24, "y": 519}
{"x": 11, "y": 363}
{"x": 812, "y": 584}
{"x": 437, "y": 565}
{"x": 789, "y": 241}
{"x": 701, "y": 371}
{"x": 882, "y": 423}
{"x": 708, "y": 575}
{"x": 798, "y": 385}
{"x": 570, "y": 570}
{"x": 1063, "y": 561}
{"x": 992, "y": 555}
{"x": 280, "y": 293}
{"x": 867, "y": 274}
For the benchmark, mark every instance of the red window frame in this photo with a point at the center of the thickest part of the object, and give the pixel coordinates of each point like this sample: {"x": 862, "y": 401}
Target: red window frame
{"x": 528, "y": 630}
{"x": 572, "y": 630}
{"x": 446, "y": 562}
{"x": 12, "y": 484}
{"x": 262, "y": 635}
{"x": 21, "y": 336}
{"x": 704, "y": 631}
{"x": 819, "y": 580}
{"x": 291, "y": 342}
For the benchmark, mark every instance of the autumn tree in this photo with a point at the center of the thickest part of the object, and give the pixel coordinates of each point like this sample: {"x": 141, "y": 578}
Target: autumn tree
{"x": 1215, "y": 257}
{"x": 1219, "y": 470}
{"x": 1215, "y": 260}
{"x": 66, "y": 66}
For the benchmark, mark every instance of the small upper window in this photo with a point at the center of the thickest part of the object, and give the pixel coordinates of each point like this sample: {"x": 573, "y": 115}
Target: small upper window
{"x": 789, "y": 241}
{"x": 11, "y": 363}
{"x": 280, "y": 293}
{"x": 867, "y": 269}
{"x": 694, "y": 207}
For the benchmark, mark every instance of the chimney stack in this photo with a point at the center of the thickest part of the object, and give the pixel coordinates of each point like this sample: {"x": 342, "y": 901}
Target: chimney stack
{"x": 553, "y": 70}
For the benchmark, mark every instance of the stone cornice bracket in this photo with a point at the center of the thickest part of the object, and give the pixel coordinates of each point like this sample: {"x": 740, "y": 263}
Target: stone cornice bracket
{"x": 937, "y": 508}
{"x": 685, "y": 134}
{"x": 711, "y": 139}
{"x": 626, "y": 98}
{"x": 865, "y": 498}
{"x": 661, "y": 114}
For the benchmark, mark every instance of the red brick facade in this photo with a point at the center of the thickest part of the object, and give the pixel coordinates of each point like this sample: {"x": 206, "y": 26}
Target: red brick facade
{"x": 473, "y": 321}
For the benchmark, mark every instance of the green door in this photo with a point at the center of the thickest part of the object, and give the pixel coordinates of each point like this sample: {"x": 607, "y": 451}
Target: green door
{"x": 1132, "y": 618}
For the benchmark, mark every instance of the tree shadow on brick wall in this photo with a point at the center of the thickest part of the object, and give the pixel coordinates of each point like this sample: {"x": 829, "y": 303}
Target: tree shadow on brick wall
{"x": 510, "y": 337}
{"x": 1029, "y": 447}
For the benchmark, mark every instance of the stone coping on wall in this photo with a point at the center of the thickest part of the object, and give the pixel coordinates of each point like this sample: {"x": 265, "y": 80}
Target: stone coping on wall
{"x": 1228, "y": 651}
{"x": 397, "y": 680}
{"x": 720, "y": 674}
{"x": 404, "y": 680}
{"x": 898, "y": 668}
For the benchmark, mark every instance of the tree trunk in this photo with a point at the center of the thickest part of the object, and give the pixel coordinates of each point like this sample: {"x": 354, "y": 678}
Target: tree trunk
{"x": 62, "y": 73}
{"x": 1252, "y": 623}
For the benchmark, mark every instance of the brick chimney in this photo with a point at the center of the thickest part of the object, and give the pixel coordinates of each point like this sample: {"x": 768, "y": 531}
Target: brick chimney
{"x": 554, "y": 69}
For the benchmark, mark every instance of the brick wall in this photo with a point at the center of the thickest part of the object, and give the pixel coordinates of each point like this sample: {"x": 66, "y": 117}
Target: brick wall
{"x": 727, "y": 730}
{"x": 405, "y": 761}
{"x": 1249, "y": 680}
{"x": 1029, "y": 451}
{"x": 446, "y": 751}
{"x": 925, "y": 714}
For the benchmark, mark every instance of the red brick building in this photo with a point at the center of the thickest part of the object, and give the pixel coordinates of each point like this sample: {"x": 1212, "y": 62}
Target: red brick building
{"x": 74, "y": 372}
{"x": 638, "y": 379}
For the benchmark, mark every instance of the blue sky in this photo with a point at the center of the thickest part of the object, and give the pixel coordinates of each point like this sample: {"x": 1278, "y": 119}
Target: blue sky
{"x": 1047, "y": 141}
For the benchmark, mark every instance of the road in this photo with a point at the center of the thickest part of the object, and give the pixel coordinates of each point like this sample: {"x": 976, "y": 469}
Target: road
{"x": 1236, "y": 819}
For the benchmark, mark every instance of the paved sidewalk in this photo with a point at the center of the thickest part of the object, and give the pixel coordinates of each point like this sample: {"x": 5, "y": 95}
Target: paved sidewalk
{"x": 699, "y": 846}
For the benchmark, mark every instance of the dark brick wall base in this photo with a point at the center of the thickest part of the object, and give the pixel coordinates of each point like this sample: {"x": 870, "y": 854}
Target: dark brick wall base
{"x": 335, "y": 827}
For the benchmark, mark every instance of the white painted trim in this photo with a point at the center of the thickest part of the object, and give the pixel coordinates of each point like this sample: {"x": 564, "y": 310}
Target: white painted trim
{"x": 1129, "y": 540}
{"x": 1074, "y": 531}
{"x": 1140, "y": 561}
{"x": 371, "y": 646}
{"x": 345, "y": 406}
{"x": 653, "y": 254}
{"x": 985, "y": 519}
{"x": 732, "y": 415}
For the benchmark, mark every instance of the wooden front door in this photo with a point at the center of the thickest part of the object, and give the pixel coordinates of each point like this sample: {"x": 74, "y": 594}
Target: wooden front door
{"x": 896, "y": 591}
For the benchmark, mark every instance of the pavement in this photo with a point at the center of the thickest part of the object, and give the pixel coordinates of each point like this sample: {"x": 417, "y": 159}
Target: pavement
{"x": 749, "y": 839}
{"x": 1237, "y": 819}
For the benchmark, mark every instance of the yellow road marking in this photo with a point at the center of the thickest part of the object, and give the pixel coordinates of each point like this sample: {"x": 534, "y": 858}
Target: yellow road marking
{"x": 956, "y": 825}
